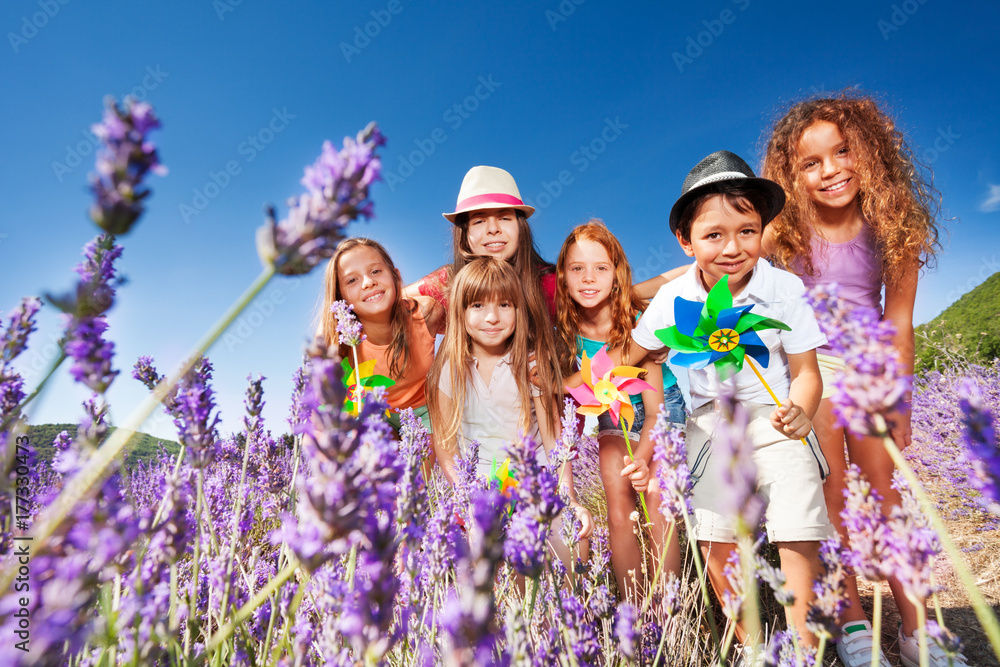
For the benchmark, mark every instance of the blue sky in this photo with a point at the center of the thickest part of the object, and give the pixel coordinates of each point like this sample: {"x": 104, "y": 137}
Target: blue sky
{"x": 618, "y": 100}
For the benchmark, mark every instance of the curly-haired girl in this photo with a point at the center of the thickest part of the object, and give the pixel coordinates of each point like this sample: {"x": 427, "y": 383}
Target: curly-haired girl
{"x": 858, "y": 213}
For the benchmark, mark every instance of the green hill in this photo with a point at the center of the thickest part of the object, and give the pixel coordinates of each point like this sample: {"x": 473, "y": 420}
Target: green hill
{"x": 142, "y": 448}
{"x": 969, "y": 328}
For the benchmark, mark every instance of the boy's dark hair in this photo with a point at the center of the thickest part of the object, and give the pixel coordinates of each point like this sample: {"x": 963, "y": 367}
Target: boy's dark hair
{"x": 741, "y": 196}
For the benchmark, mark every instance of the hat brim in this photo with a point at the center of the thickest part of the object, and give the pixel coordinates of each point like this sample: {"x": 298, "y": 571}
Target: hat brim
{"x": 775, "y": 197}
{"x": 524, "y": 208}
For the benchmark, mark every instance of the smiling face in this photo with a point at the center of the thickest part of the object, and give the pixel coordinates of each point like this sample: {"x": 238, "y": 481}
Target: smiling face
{"x": 826, "y": 167}
{"x": 590, "y": 274}
{"x": 493, "y": 232}
{"x": 490, "y": 324}
{"x": 724, "y": 242}
{"x": 366, "y": 282}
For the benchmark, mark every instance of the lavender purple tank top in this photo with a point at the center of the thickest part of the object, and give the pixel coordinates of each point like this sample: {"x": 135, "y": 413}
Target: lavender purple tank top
{"x": 854, "y": 265}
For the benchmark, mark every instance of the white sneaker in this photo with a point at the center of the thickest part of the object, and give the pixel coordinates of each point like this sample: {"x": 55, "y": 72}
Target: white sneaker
{"x": 909, "y": 653}
{"x": 855, "y": 647}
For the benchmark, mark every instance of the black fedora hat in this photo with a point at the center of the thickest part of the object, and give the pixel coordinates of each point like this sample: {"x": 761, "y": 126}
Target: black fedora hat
{"x": 723, "y": 166}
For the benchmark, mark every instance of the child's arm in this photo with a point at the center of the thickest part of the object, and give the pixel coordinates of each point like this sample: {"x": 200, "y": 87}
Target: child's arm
{"x": 647, "y": 289}
{"x": 434, "y": 285}
{"x": 899, "y": 299}
{"x": 433, "y": 313}
{"x": 793, "y": 418}
{"x": 638, "y": 472}
{"x": 566, "y": 474}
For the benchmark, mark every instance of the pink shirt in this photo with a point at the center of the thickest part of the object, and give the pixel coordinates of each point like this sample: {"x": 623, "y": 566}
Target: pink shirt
{"x": 855, "y": 266}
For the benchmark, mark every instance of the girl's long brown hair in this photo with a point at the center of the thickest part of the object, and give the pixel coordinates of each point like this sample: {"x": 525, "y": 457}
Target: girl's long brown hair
{"x": 529, "y": 265}
{"x": 625, "y": 305}
{"x": 401, "y": 314}
{"x": 482, "y": 279}
{"x": 895, "y": 197}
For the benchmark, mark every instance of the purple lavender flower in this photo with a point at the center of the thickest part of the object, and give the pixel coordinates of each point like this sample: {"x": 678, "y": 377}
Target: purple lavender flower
{"x": 581, "y": 630}
{"x": 194, "y": 418}
{"x": 830, "y": 588}
{"x": 21, "y": 325}
{"x": 873, "y": 382}
{"x": 625, "y": 629}
{"x": 949, "y": 642}
{"x": 980, "y": 439}
{"x": 672, "y": 472}
{"x": 538, "y": 503}
{"x": 337, "y": 193}
{"x": 90, "y": 352}
{"x": 348, "y": 326}
{"x": 122, "y": 163}
{"x": 871, "y": 543}
{"x": 915, "y": 544}
{"x": 774, "y": 578}
{"x": 732, "y": 600}
{"x": 469, "y": 619}
{"x": 739, "y": 475}
{"x": 781, "y": 652}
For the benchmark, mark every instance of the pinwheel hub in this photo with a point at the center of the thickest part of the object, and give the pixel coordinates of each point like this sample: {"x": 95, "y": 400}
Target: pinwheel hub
{"x": 723, "y": 340}
{"x": 606, "y": 392}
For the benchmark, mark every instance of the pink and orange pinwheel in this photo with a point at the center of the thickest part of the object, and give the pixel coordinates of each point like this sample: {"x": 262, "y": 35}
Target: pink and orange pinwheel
{"x": 607, "y": 387}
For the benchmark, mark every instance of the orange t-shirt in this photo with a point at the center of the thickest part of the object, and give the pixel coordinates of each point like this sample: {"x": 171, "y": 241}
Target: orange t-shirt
{"x": 408, "y": 392}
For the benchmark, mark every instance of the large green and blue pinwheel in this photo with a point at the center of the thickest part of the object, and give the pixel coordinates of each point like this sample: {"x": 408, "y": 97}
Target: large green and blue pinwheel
{"x": 716, "y": 333}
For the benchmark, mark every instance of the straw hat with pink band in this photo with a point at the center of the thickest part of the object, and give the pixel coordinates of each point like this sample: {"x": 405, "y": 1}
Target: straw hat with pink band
{"x": 488, "y": 187}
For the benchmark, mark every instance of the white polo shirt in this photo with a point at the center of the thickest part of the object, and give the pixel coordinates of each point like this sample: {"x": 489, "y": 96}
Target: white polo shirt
{"x": 492, "y": 412}
{"x": 775, "y": 293}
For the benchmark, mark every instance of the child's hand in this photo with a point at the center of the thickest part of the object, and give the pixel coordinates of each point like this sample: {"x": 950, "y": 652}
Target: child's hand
{"x": 586, "y": 520}
{"x": 791, "y": 421}
{"x": 659, "y": 357}
{"x": 533, "y": 376}
{"x": 637, "y": 472}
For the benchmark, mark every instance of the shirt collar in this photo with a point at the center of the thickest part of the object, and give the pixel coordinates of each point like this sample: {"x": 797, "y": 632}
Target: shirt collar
{"x": 754, "y": 288}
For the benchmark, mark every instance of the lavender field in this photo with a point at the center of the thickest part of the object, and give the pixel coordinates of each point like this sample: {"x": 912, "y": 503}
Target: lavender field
{"x": 324, "y": 541}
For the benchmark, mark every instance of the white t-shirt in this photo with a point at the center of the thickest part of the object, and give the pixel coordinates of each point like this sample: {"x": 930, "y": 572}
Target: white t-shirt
{"x": 492, "y": 413}
{"x": 775, "y": 293}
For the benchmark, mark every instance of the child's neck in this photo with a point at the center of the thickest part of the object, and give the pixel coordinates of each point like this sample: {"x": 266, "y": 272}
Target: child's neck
{"x": 377, "y": 331}
{"x": 487, "y": 359}
{"x": 734, "y": 288}
{"x": 595, "y": 323}
{"x": 839, "y": 225}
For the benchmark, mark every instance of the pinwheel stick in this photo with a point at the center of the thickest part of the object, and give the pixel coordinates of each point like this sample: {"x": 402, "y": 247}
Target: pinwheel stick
{"x": 753, "y": 367}
{"x": 628, "y": 446}
{"x": 357, "y": 377}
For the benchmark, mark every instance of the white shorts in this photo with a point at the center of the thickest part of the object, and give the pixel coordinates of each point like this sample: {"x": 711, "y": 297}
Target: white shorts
{"x": 829, "y": 368}
{"x": 788, "y": 478}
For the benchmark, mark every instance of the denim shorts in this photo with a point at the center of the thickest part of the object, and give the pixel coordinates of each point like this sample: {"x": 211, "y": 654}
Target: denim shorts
{"x": 673, "y": 403}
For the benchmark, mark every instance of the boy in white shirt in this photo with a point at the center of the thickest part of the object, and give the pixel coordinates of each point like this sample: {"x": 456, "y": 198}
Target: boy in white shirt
{"x": 719, "y": 220}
